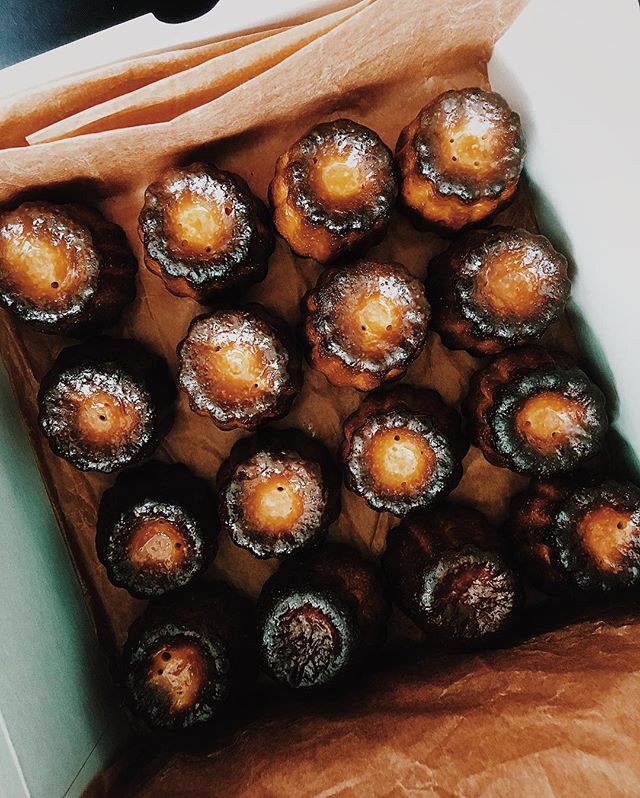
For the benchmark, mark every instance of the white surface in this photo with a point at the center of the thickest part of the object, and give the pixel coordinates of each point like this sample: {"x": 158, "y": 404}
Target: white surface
{"x": 572, "y": 71}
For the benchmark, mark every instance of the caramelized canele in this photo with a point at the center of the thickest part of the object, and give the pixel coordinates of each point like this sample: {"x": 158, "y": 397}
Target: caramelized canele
{"x": 106, "y": 404}
{"x": 365, "y": 323}
{"x": 403, "y": 449}
{"x": 496, "y": 288}
{"x": 239, "y": 367}
{"x": 333, "y": 191}
{"x": 204, "y": 232}
{"x": 446, "y": 573}
{"x": 64, "y": 268}
{"x": 578, "y": 534}
{"x": 535, "y": 412}
{"x": 277, "y": 493}
{"x": 157, "y": 529}
{"x": 319, "y": 617}
{"x": 187, "y": 656}
{"x": 460, "y": 159}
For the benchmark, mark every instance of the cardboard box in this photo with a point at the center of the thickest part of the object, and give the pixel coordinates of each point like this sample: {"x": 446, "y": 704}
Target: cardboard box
{"x": 59, "y": 722}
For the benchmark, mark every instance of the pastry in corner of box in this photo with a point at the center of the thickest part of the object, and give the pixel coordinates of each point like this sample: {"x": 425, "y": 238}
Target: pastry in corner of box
{"x": 578, "y": 534}
{"x": 278, "y": 492}
{"x": 189, "y": 657}
{"x": 333, "y": 191}
{"x": 446, "y": 571}
{"x": 64, "y": 269}
{"x": 460, "y": 159}
{"x": 204, "y": 233}
{"x": 239, "y": 367}
{"x": 496, "y": 288}
{"x": 157, "y": 529}
{"x": 320, "y": 617}
{"x": 403, "y": 449}
{"x": 365, "y": 323}
{"x": 106, "y": 403}
{"x": 535, "y": 412}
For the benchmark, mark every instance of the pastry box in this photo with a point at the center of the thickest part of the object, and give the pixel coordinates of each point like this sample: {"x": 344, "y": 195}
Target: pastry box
{"x": 97, "y": 121}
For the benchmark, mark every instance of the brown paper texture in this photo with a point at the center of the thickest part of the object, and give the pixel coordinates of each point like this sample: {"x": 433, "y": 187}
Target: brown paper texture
{"x": 24, "y": 114}
{"x": 166, "y": 99}
{"x": 527, "y": 721}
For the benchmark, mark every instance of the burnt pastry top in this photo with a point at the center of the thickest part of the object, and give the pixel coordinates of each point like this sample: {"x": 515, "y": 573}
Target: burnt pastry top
{"x": 365, "y": 323}
{"x": 461, "y": 157}
{"x": 469, "y": 144}
{"x": 187, "y": 655}
{"x": 319, "y": 616}
{"x": 204, "y": 232}
{"x": 496, "y": 288}
{"x": 240, "y": 367}
{"x": 447, "y": 574}
{"x": 333, "y": 190}
{"x": 277, "y": 493}
{"x": 64, "y": 268}
{"x": 157, "y": 529}
{"x": 536, "y": 412}
{"x": 403, "y": 449}
{"x": 106, "y": 403}
{"x": 579, "y": 533}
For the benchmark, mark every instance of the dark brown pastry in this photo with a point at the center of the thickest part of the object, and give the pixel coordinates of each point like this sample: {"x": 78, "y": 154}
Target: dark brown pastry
{"x": 157, "y": 529}
{"x": 319, "y": 617}
{"x": 333, "y": 191}
{"x": 106, "y": 403}
{"x": 365, "y": 323}
{"x": 204, "y": 232}
{"x": 187, "y": 656}
{"x": 535, "y": 412}
{"x": 278, "y": 492}
{"x": 578, "y": 534}
{"x": 497, "y": 288}
{"x": 460, "y": 159}
{"x": 64, "y": 269}
{"x": 445, "y": 572}
{"x": 239, "y": 367}
{"x": 403, "y": 449}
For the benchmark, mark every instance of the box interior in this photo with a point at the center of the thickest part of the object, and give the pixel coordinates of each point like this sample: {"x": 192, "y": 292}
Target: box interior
{"x": 439, "y": 700}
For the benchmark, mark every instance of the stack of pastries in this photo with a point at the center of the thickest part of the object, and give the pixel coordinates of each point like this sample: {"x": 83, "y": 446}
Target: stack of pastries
{"x": 107, "y": 403}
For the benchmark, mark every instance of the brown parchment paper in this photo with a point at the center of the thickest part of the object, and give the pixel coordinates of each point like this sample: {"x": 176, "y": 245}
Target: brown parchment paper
{"x": 167, "y": 98}
{"x": 538, "y": 719}
{"x": 23, "y": 114}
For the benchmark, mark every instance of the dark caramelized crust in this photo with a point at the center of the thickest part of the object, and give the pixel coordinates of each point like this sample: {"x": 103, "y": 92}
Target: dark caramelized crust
{"x": 578, "y": 534}
{"x": 157, "y": 529}
{"x": 446, "y": 574}
{"x": 64, "y": 268}
{"x": 333, "y": 191}
{"x": 535, "y": 412}
{"x": 403, "y": 449}
{"x": 319, "y": 617}
{"x": 497, "y": 288}
{"x": 204, "y": 232}
{"x": 365, "y": 323}
{"x": 240, "y": 367}
{"x": 187, "y": 655}
{"x": 460, "y": 159}
{"x": 278, "y": 492}
{"x": 106, "y": 404}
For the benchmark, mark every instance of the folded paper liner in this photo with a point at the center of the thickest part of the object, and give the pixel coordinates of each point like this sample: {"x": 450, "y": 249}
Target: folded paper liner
{"x": 44, "y": 107}
{"x": 167, "y": 98}
{"x": 550, "y": 717}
